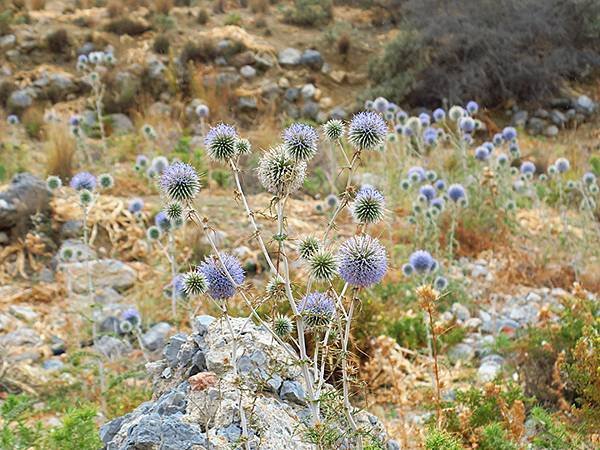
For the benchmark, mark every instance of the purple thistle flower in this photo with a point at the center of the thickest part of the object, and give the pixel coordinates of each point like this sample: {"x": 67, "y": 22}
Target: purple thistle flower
{"x": 425, "y": 119}
{"x": 527, "y": 167}
{"x": 220, "y": 286}
{"x": 589, "y": 178}
{"x": 141, "y": 160}
{"x": 416, "y": 174}
{"x": 368, "y": 205}
{"x": 135, "y": 205}
{"x": 362, "y": 261}
{"x": 316, "y": 308}
{"x": 401, "y": 116}
{"x": 367, "y": 131}
{"x": 498, "y": 139}
{"x": 179, "y": 182}
{"x": 131, "y": 315}
{"x": 467, "y": 124}
{"x": 456, "y": 192}
{"x": 380, "y": 104}
{"x": 440, "y": 185}
{"x": 12, "y": 120}
{"x": 422, "y": 261}
{"x": 438, "y": 203}
{"x": 509, "y": 134}
{"x": 427, "y": 191}
{"x": 300, "y": 140}
{"x": 162, "y": 221}
{"x": 83, "y": 180}
{"x": 220, "y": 142}
{"x": 178, "y": 285}
{"x": 202, "y": 111}
{"x": 482, "y": 153}
{"x": 430, "y": 135}
{"x": 439, "y": 115}
{"x": 562, "y": 165}
{"x": 472, "y": 107}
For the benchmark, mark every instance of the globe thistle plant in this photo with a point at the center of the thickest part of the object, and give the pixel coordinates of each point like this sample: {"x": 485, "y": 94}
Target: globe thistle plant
{"x": 317, "y": 309}
{"x": 159, "y": 164}
{"x": 174, "y": 211}
{"x": 368, "y": 205}
{"x": 527, "y": 167}
{"x": 83, "y": 180}
{"x": 424, "y": 119}
{"x": 482, "y": 153}
{"x": 194, "y": 283}
{"x": 12, "y": 120}
{"x": 332, "y": 201}
{"x": 509, "y": 134}
{"x": 86, "y": 197}
{"x": 405, "y": 185}
{"x": 220, "y": 142}
{"x": 422, "y": 262}
{"x": 562, "y": 165}
{"x": 308, "y": 247}
{"x": 105, "y": 181}
{"x": 456, "y": 192}
{"x": 220, "y": 286}
{"x": 135, "y": 205}
{"x": 53, "y": 182}
{"x": 322, "y": 265}
{"x": 243, "y": 147}
{"x": 467, "y": 125}
{"x": 362, "y": 261}
{"x": 427, "y": 191}
{"x": 440, "y": 185}
{"x": 132, "y": 316}
{"x": 407, "y": 270}
{"x": 589, "y": 178}
{"x": 472, "y": 107}
{"x": 179, "y": 182}
{"x": 456, "y": 113}
{"x": 439, "y": 115}
{"x": 141, "y": 161}
{"x": 300, "y": 141}
{"x": 367, "y": 131}
{"x": 416, "y": 174}
{"x": 401, "y": 116}
{"x": 202, "y": 111}
{"x": 279, "y": 173}
{"x": 380, "y": 104}
{"x": 333, "y": 130}
{"x": 440, "y": 283}
{"x": 276, "y": 288}
{"x": 162, "y": 222}
{"x": 153, "y": 233}
{"x": 282, "y": 326}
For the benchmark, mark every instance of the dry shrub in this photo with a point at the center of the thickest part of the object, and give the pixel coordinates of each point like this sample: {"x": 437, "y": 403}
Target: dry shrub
{"x": 60, "y": 149}
{"x": 202, "y": 17}
{"x": 33, "y": 121}
{"x": 219, "y": 99}
{"x": 259, "y": 6}
{"x": 163, "y": 6}
{"x": 125, "y": 25}
{"x": 343, "y": 45}
{"x": 37, "y": 5}
{"x": 58, "y": 41}
{"x": 161, "y": 44}
{"x": 115, "y": 8}
{"x": 203, "y": 51}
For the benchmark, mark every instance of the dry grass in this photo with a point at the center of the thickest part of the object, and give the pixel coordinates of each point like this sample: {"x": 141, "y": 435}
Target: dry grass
{"x": 60, "y": 150}
{"x": 163, "y": 6}
{"x": 259, "y": 6}
{"x": 115, "y": 8}
{"x": 219, "y": 99}
{"x": 37, "y": 5}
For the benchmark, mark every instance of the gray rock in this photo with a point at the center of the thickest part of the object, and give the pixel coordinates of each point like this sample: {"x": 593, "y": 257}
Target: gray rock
{"x": 310, "y": 110}
{"x": 560, "y": 103}
{"x": 292, "y": 391}
{"x": 8, "y": 41}
{"x": 289, "y": 57}
{"x": 536, "y": 126}
{"x": 232, "y": 432}
{"x": 71, "y": 229}
{"x": 21, "y": 336}
{"x": 178, "y": 435}
{"x": 519, "y": 118}
{"x": 460, "y": 352}
{"x": 312, "y": 59}
{"x": 160, "y": 109}
{"x": 247, "y": 104}
{"x": 585, "y": 104}
{"x": 112, "y": 347}
{"x": 308, "y": 91}
{"x": 228, "y": 79}
{"x": 20, "y": 100}
{"x": 551, "y": 131}
{"x": 488, "y": 372}
{"x": 155, "y": 337}
{"x": 121, "y": 124}
{"x": 393, "y": 445}
{"x": 338, "y": 113}
{"x": 270, "y": 91}
{"x": 292, "y": 94}
{"x": 52, "y": 365}
{"x": 146, "y": 433}
{"x": 25, "y": 196}
{"x": 106, "y": 273}
{"x": 110, "y": 325}
{"x": 201, "y": 324}
{"x": 461, "y": 312}
{"x": 171, "y": 350}
{"x": 81, "y": 252}
{"x": 248, "y": 72}
{"x": 558, "y": 118}
{"x": 23, "y": 312}
{"x": 263, "y": 62}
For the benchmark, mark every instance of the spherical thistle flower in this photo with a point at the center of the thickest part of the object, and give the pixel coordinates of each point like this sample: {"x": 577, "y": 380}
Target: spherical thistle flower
{"x": 391, "y": 137}
{"x": 472, "y": 107}
{"x": 428, "y": 191}
{"x": 83, "y": 180}
{"x": 431, "y": 175}
{"x": 86, "y": 197}
{"x": 162, "y": 222}
{"x": 148, "y": 131}
{"x": 300, "y": 140}
{"x": 105, "y": 181}
{"x": 514, "y": 150}
{"x": 367, "y": 131}
{"x": 392, "y": 107}
{"x": 151, "y": 172}
{"x": 177, "y": 286}
{"x": 456, "y": 113}
{"x": 276, "y": 288}
{"x": 498, "y": 139}
{"x": 369, "y": 104}
{"x": 467, "y": 139}
{"x": 380, "y": 104}
{"x": 282, "y": 326}
{"x": 407, "y": 270}
{"x": 334, "y": 129}
{"x": 543, "y": 177}
{"x": 401, "y": 116}
{"x": 509, "y": 134}
{"x": 502, "y": 159}
{"x": 456, "y": 192}
{"x": 552, "y": 170}
{"x": 132, "y": 315}
{"x": 362, "y": 261}
{"x": 440, "y": 283}
{"x": 159, "y": 164}
{"x": 220, "y": 142}
{"x": 174, "y": 211}
{"x": 440, "y": 185}
{"x": 308, "y": 247}
{"x": 571, "y": 185}
{"x": 562, "y": 165}
{"x": 589, "y": 178}
{"x": 202, "y": 111}
{"x": 368, "y": 205}
{"x": 482, "y": 153}
{"x": 82, "y": 59}
{"x": 243, "y": 147}
{"x": 317, "y": 309}
{"x": 66, "y": 254}
{"x": 467, "y": 125}
{"x": 424, "y": 119}
{"x": 407, "y": 131}
{"x": 389, "y": 116}
{"x": 416, "y": 174}
{"x": 514, "y": 171}
{"x": 179, "y": 182}
{"x": 141, "y": 160}
{"x": 421, "y": 261}
{"x": 439, "y": 115}
{"x": 279, "y": 173}
{"x": 527, "y": 167}
{"x": 430, "y": 136}
{"x": 438, "y": 204}
{"x": 594, "y": 189}
{"x": 12, "y": 120}
{"x": 405, "y": 185}
{"x": 53, "y": 182}
{"x": 194, "y": 283}
{"x": 332, "y": 201}
{"x": 153, "y": 233}
{"x": 220, "y": 286}
{"x": 125, "y": 327}
{"x": 135, "y": 205}
{"x": 322, "y": 265}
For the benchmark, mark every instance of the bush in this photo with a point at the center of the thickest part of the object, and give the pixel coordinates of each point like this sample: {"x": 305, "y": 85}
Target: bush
{"x": 309, "y": 13}
{"x": 493, "y": 437}
{"x": 441, "y": 440}
{"x": 125, "y": 25}
{"x": 488, "y": 50}
{"x": 202, "y": 17}
{"x": 58, "y": 41}
{"x": 161, "y": 44}
{"x": 202, "y": 52}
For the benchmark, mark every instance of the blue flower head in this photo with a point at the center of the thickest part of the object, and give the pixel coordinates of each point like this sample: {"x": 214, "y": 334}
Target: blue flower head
{"x": 428, "y": 191}
{"x": 498, "y": 139}
{"x": 401, "y": 116}
{"x": 430, "y": 136}
{"x": 162, "y": 221}
{"x": 220, "y": 142}
{"x": 317, "y": 309}
{"x": 509, "y": 134}
{"x": 12, "y": 120}
{"x": 425, "y": 119}
{"x": 416, "y": 174}
{"x": 220, "y": 286}
{"x": 482, "y": 153}
{"x": 467, "y": 125}
{"x": 179, "y": 182}
{"x": 380, "y": 105}
{"x": 456, "y": 192}
{"x": 440, "y": 185}
{"x": 368, "y": 206}
{"x": 135, "y": 205}
{"x": 562, "y": 165}
{"x": 83, "y": 180}
{"x": 367, "y": 131}
{"x": 300, "y": 141}
{"x": 422, "y": 261}
{"x": 472, "y": 107}
{"x": 527, "y": 167}
{"x": 439, "y": 115}
{"x": 362, "y": 261}
{"x": 131, "y": 315}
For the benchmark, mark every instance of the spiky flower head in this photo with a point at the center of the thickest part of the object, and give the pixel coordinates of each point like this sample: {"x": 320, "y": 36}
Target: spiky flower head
{"x": 141, "y": 160}
{"x": 440, "y": 283}
{"x": 125, "y": 327}
{"x": 131, "y": 315}
{"x": 194, "y": 283}
{"x": 317, "y": 309}
{"x": 220, "y": 286}
{"x": 53, "y": 182}
{"x": 438, "y": 203}
{"x": 174, "y": 211}
{"x": 12, "y": 120}
{"x": 162, "y": 222}
{"x": 220, "y": 142}
{"x": 243, "y": 147}
{"x": 456, "y": 113}
{"x": 66, "y": 254}
{"x": 589, "y": 178}
{"x": 428, "y": 191}
{"x": 527, "y": 167}
{"x": 369, "y": 104}
{"x": 135, "y": 205}
{"x": 332, "y": 201}
{"x": 276, "y": 288}
{"x": 422, "y": 261}
{"x": 509, "y": 134}
{"x": 300, "y": 140}
{"x": 430, "y": 136}
{"x": 83, "y": 180}
{"x": 202, "y": 111}
{"x": 482, "y": 153}
{"x": 456, "y": 192}
{"x": 368, "y": 205}
{"x": 367, "y": 131}
{"x": 472, "y": 107}
{"x": 279, "y": 173}
{"x": 514, "y": 150}
{"x": 467, "y": 125}
{"x": 552, "y": 170}
{"x": 380, "y": 104}
{"x": 562, "y": 165}
{"x": 424, "y": 119}
{"x": 282, "y": 326}
{"x": 153, "y": 233}
{"x": 362, "y": 260}
{"x": 323, "y": 265}
{"x": 148, "y": 131}
{"x": 401, "y": 116}
{"x": 543, "y": 177}
{"x": 179, "y": 182}
{"x": 308, "y": 247}
{"x": 159, "y": 164}
{"x": 416, "y": 174}
{"x": 571, "y": 185}
{"x": 439, "y": 115}
{"x": 105, "y": 181}
{"x": 440, "y": 185}
{"x": 177, "y": 286}
{"x": 334, "y": 129}
{"x": 407, "y": 270}
{"x": 502, "y": 159}
{"x": 86, "y": 197}
{"x": 405, "y": 185}
{"x": 594, "y": 189}
{"x": 83, "y": 59}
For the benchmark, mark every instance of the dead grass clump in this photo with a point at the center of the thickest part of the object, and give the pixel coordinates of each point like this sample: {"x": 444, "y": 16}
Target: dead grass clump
{"x": 259, "y": 6}
{"x": 33, "y": 121}
{"x": 58, "y": 41}
{"x": 37, "y": 5}
{"x": 7, "y": 87}
{"x": 202, "y": 17}
{"x": 203, "y": 51}
{"x": 343, "y": 46}
{"x": 115, "y": 8}
{"x": 163, "y": 6}
{"x": 60, "y": 149}
{"x": 125, "y": 25}
{"x": 161, "y": 44}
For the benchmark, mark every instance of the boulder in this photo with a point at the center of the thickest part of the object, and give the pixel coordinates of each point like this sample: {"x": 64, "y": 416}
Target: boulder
{"x": 106, "y": 273}
{"x": 289, "y": 57}
{"x": 312, "y": 59}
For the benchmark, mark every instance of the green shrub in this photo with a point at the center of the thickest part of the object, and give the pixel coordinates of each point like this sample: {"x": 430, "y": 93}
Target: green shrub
{"x": 551, "y": 435}
{"x": 78, "y": 432}
{"x": 309, "y": 13}
{"x": 409, "y": 332}
{"x": 161, "y": 44}
{"x": 15, "y": 434}
{"x": 493, "y": 437}
{"x": 233, "y": 19}
{"x": 441, "y": 440}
